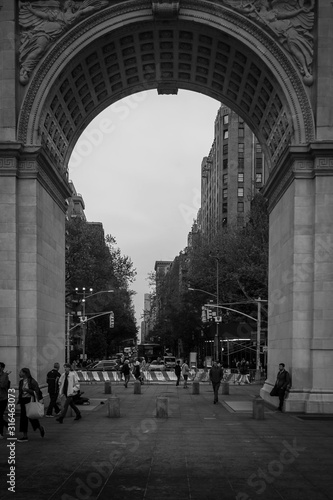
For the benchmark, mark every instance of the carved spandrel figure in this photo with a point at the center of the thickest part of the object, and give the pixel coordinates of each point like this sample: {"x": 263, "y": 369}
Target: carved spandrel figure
{"x": 291, "y": 22}
{"x": 43, "y": 23}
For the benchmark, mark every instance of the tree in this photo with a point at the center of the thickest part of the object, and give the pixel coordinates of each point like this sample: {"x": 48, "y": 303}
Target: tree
{"x": 96, "y": 262}
{"x": 242, "y": 254}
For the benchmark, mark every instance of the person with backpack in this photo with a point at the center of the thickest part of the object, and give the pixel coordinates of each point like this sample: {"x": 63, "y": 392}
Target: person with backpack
{"x": 4, "y": 386}
{"x": 52, "y": 380}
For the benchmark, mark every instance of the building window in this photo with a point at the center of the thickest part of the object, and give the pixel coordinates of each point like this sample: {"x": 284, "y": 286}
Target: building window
{"x": 225, "y": 164}
{"x": 240, "y": 192}
{"x": 240, "y": 206}
{"x": 258, "y": 178}
{"x": 224, "y": 207}
{"x": 240, "y": 163}
{"x": 240, "y": 132}
{"x": 258, "y": 148}
{"x": 225, "y": 149}
{"x": 241, "y": 147}
{"x": 225, "y": 193}
{"x": 225, "y": 119}
{"x": 258, "y": 162}
{"x": 241, "y": 177}
{"x": 226, "y": 134}
{"x": 225, "y": 178}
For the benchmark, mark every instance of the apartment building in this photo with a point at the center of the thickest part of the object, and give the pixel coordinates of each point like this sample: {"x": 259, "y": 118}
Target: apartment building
{"x": 231, "y": 174}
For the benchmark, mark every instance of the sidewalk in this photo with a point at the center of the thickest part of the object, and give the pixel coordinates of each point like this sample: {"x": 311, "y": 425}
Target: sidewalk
{"x": 201, "y": 451}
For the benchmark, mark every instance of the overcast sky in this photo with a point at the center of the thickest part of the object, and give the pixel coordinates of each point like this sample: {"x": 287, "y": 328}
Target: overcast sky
{"x": 137, "y": 166}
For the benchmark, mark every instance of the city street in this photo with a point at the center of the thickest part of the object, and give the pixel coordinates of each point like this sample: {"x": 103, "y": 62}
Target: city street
{"x": 200, "y": 451}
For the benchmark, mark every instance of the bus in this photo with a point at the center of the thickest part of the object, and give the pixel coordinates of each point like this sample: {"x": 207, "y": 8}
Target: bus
{"x": 150, "y": 351}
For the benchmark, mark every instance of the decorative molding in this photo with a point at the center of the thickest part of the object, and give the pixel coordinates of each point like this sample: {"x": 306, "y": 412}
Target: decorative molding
{"x": 165, "y": 9}
{"x": 35, "y": 163}
{"x": 301, "y": 165}
{"x": 8, "y": 163}
{"x": 303, "y": 162}
{"x": 324, "y": 163}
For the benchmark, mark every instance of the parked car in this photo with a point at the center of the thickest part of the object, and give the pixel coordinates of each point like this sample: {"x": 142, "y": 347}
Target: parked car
{"x": 106, "y": 365}
{"x": 157, "y": 366}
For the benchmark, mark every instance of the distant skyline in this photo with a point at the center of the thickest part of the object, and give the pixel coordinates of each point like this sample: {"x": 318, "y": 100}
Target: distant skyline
{"x": 138, "y": 168}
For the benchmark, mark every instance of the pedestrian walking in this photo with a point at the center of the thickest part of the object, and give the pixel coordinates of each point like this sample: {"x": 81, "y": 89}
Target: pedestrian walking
{"x": 185, "y": 372}
{"x": 28, "y": 389}
{"x": 4, "y": 386}
{"x": 282, "y": 385}
{"x": 52, "y": 379}
{"x": 126, "y": 371}
{"x": 215, "y": 376}
{"x": 239, "y": 376}
{"x": 69, "y": 386}
{"x": 178, "y": 371}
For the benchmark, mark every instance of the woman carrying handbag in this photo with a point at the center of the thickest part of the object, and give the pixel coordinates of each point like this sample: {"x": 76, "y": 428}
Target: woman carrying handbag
{"x": 28, "y": 390}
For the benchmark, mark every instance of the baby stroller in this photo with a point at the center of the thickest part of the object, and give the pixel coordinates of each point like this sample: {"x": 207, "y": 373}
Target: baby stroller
{"x": 78, "y": 399}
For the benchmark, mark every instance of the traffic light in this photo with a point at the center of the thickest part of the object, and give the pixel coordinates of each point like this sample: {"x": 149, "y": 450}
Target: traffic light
{"x": 203, "y": 314}
{"x": 209, "y": 314}
{"x": 111, "y": 324}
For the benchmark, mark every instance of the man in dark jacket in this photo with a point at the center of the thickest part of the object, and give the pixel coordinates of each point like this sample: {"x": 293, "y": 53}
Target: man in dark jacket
{"x": 283, "y": 383}
{"x": 52, "y": 379}
{"x": 216, "y": 375}
{"x": 178, "y": 371}
{"x": 126, "y": 371}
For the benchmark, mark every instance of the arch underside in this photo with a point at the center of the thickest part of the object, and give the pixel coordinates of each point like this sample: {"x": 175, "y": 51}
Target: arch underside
{"x": 166, "y": 56}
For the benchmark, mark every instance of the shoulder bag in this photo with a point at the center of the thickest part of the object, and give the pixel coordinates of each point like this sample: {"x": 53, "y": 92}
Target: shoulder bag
{"x": 34, "y": 409}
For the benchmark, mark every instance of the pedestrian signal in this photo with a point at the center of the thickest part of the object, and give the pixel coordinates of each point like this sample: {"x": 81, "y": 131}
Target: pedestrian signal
{"x": 111, "y": 324}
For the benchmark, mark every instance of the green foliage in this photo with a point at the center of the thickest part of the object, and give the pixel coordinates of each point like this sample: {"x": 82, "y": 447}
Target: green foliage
{"x": 93, "y": 261}
{"x": 239, "y": 254}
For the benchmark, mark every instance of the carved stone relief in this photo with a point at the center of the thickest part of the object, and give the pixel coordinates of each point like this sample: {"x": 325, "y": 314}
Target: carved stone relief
{"x": 291, "y": 22}
{"x": 43, "y": 22}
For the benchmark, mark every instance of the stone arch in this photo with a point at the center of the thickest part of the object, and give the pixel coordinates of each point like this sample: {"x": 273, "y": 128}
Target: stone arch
{"x": 200, "y": 45}
{"x": 121, "y": 50}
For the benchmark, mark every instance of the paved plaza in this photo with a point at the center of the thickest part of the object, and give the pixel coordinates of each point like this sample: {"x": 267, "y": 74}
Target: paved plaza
{"x": 201, "y": 451}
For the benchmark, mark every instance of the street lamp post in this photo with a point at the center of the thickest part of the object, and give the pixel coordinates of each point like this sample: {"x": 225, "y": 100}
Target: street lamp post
{"x": 84, "y": 319}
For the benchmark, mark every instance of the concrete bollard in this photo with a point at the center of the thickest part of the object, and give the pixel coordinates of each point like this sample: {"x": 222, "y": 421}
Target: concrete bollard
{"x": 196, "y": 387}
{"x": 114, "y": 407}
{"x": 137, "y": 387}
{"x": 162, "y": 407}
{"x": 107, "y": 388}
{"x": 225, "y": 388}
{"x": 258, "y": 407}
